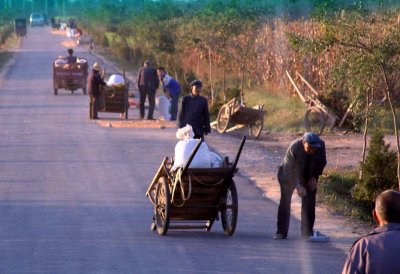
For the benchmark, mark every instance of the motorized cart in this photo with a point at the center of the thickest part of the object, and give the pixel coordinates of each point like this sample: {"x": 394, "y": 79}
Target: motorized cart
{"x": 235, "y": 113}
{"x": 70, "y": 76}
{"x": 20, "y": 26}
{"x": 114, "y": 97}
{"x": 193, "y": 198}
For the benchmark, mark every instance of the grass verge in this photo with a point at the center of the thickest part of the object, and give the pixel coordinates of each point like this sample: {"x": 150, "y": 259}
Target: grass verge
{"x": 283, "y": 111}
{"x": 335, "y": 191}
{"x": 5, "y": 54}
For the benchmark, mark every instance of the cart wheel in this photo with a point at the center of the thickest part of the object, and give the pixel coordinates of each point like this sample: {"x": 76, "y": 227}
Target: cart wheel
{"x": 256, "y": 128}
{"x": 84, "y": 91}
{"x": 162, "y": 206}
{"x": 314, "y": 120}
{"x": 55, "y": 91}
{"x": 223, "y": 118}
{"x": 229, "y": 210}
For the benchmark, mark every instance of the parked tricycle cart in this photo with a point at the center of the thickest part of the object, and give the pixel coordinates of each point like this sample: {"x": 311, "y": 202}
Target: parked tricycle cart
{"x": 193, "y": 198}
{"x": 235, "y": 113}
{"x": 20, "y": 26}
{"x": 70, "y": 76}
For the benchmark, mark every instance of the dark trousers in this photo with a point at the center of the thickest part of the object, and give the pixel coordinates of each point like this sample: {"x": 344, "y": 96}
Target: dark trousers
{"x": 174, "y": 106}
{"x": 94, "y": 107}
{"x": 307, "y": 211}
{"x": 151, "y": 94}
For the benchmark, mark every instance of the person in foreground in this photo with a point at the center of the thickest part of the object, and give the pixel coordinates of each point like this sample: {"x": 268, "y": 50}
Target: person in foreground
{"x": 194, "y": 111}
{"x": 378, "y": 252}
{"x": 300, "y": 169}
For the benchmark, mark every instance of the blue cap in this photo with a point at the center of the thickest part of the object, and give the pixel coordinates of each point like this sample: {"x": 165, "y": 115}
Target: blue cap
{"x": 197, "y": 83}
{"x": 312, "y": 139}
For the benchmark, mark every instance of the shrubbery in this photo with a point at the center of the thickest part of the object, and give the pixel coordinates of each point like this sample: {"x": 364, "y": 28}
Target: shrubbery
{"x": 379, "y": 170}
{"x": 5, "y": 32}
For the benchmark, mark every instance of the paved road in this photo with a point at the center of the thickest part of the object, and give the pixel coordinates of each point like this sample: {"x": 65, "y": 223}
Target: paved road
{"x": 72, "y": 193}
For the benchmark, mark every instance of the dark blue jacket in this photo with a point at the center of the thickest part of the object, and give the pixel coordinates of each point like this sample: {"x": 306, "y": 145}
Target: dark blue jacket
{"x": 194, "y": 111}
{"x": 170, "y": 84}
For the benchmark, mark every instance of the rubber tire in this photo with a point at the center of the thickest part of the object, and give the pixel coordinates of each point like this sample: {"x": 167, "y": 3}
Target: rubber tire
{"x": 221, "y": 127}
{"x": 309, "y": 126}
{"x": 162, "y": 192}
{"x": 55, "y": 91}
{"x": 229, "y": 226}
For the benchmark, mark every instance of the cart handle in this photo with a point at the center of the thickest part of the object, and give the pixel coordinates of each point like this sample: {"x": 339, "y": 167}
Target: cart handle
{"x": 189, "y": 161}
{"x": 235, "y": 162}
{"x": 156, "y": 177}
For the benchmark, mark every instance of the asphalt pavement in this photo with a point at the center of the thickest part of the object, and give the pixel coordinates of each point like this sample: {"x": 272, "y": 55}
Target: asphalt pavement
{"x": 72, "y": 193}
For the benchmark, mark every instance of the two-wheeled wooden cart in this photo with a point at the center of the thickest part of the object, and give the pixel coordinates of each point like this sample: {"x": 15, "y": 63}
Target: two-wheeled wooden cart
{"x": 193, "y": 198}
{"x": 240, "y": 116}
{"x": 114, "y": 98}
{"x": 318, "y": 116}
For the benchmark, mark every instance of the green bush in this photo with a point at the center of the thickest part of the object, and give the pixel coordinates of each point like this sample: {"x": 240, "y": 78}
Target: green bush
{"x": 231, "y": 93}
{"x": 379, "y": 170}
{"x": 5, "y": 32}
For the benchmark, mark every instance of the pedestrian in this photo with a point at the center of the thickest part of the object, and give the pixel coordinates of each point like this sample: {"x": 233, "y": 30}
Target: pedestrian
{"x": 194, "y": 111}
{"x": 378, "y": 252}
{"x": 71, "y": 59}
{"x": 172, "y": 88}
{"x": 300, "y": 169}
{"x": 95, "y": 83}
{"x": 148, "y": 83}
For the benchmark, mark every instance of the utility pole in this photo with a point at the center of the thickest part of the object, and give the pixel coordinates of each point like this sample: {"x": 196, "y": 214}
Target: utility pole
{"x": 45, "y": 7}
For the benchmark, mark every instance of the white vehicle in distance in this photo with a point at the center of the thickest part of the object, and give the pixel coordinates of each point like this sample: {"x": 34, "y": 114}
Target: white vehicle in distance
{"x": 36, "y": 19}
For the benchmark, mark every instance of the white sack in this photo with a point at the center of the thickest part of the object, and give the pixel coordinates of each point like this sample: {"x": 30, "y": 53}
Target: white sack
{"x": 116, "y": 79}
{"x": 185, "y": 133}
{"x": 216, "y": 160}
{"x": 164, "y": 107}
{"x": 184, "y": 148}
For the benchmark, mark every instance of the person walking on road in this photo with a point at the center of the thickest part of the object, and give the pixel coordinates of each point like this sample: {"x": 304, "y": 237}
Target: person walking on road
{"x": 148, "y": 83}
{"x": 194, "y": 111}
{"x": 95, "y": 83}
{"x": 173, "y": 89}
{"x": 300, "y": 169}
{"x": 378, "y": 252}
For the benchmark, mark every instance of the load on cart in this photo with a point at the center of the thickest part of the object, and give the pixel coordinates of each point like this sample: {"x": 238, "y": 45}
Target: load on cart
{"x": 194, "y": 198}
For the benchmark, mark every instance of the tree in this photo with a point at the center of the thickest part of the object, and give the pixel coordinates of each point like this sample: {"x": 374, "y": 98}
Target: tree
{"x": 368, "y": 55}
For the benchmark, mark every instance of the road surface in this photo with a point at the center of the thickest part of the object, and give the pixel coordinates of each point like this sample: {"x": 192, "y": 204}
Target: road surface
{"x": 72, "y": 193}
